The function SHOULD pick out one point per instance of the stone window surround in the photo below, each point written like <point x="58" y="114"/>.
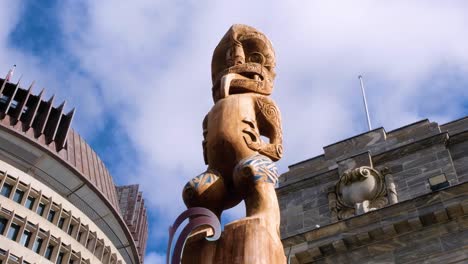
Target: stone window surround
<point x="8" y="257"/>
<point x="89" y="239"/>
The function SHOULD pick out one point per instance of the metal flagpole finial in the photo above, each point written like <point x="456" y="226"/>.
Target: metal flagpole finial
<point x="365" y="101"/>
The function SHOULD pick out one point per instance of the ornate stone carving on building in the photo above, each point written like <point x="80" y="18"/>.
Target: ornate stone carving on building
<point x="360" y="190"/>
<point x="240" y="164"/>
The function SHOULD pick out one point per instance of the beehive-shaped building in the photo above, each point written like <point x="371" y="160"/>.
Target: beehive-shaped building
<point x="58" y="202"/>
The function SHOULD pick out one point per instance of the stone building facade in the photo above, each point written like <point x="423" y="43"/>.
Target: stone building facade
<point x="381" y="197"/>
<point x="58" y="201"/>
<point x="133" y="210"/>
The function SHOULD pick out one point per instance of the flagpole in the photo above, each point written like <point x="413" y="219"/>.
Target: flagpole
<point x="10" y="73"/>
<point x="365" y="102"/>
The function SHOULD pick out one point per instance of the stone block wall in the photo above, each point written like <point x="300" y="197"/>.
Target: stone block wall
<point x="132" y="207"/>
<point x="410" y="156"/>
<point x="432" y="228"/>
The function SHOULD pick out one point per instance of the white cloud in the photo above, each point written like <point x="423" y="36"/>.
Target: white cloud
<point x="155" y="258"/>
<point x="154" y="58"/>
<point x="150" y="63"/>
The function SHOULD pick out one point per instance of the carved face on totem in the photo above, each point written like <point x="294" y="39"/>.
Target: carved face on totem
<point x="243" y="62"/>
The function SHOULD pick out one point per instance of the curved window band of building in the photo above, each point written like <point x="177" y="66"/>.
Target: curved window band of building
<point x="25" y="203"/>
<point x="58" y="201"/>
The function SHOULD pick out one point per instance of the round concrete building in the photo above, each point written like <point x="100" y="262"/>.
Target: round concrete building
<point x="58" y="202"/>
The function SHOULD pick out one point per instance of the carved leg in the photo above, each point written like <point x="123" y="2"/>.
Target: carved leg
<point x="206" y="190"/>
<point x="255" y="177"/>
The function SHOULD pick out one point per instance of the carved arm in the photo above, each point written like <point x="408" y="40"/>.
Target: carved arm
<point x="269" y="125"/>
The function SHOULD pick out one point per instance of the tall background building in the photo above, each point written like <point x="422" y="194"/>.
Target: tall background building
<point x="58" y="201"/>
<point x="381" y="197"/>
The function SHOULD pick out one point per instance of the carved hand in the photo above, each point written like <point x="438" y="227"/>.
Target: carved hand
<point x="254" y="145"/>
<point x="273" y="151"/>
<point x="254" y="141"/>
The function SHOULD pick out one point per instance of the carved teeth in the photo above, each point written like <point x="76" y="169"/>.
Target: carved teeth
<point x="225" y="84"/>
<point x="256" y="77"/>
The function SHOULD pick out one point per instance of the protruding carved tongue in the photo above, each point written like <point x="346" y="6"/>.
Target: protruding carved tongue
<point x="225" y="84"/>
<point x="241" y="84"/>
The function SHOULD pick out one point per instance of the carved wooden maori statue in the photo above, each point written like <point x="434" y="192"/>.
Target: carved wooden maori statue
<point x="240" y="164"/>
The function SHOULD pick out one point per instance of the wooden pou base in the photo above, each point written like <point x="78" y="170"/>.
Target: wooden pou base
<point x="245" y="241"/>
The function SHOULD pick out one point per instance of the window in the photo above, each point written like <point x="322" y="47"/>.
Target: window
<point x="438" y="182"/>
<point x="40" y="209"/>
<point x="30" y="202"/>
<point x="37" y="245"/>
<point x="25" y="238"/>
<point x="3" y="222"/>
<point x="61" y="222"/>
<point x="48" y="252"/>
<point x="18" y="197"/>
<point x="6" y="190"/>
<point x="60" y="257"/>
<point x="70" y="229"/>
<point x="4" y="99"/>
<point x="14" y="104"/>
<point x="13" y="232"/>
<point x="51" y="215"/>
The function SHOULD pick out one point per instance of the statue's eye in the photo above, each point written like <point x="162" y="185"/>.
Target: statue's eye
<point x="257" y="57"/>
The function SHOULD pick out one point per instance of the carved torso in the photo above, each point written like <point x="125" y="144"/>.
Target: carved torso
<point x="225" y="145"/>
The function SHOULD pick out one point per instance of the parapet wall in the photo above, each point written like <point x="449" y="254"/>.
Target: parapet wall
<point x="412" y="155"/>
<point x="419" y="213"/>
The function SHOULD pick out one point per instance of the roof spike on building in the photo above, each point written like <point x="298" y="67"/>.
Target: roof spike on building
<point x="19" y="80"/>
<point x="56" y="123"/>
<point x="51" y="99"/>
<point x="44" y="117"/>
<point x="3" y="86"/>
<point x="62" y="105"/>
<point x="61" y="138"/>
<point x="32" y="114"/>
<point x="31" y="85"/>
<point x="12" y="97"/>
<point x="22" y="102"/>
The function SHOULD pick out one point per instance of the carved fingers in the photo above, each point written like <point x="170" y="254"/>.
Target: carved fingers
<point x="273" y="151"/>
<point x="254" y="141"/>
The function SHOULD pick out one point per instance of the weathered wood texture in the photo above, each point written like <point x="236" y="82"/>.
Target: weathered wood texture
<point x="245" y="241"/>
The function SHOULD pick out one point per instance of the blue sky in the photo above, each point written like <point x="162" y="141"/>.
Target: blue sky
<point x="139" y="75"/>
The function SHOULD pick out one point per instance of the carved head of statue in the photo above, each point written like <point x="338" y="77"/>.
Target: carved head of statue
<point x="243" y="62"/>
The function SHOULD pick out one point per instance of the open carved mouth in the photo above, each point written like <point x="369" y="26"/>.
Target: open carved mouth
<point x="241" y="83"/>
<point x="252" y="75"/>
<point x="236" y="83"/>
<point x="243" y="78"/>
